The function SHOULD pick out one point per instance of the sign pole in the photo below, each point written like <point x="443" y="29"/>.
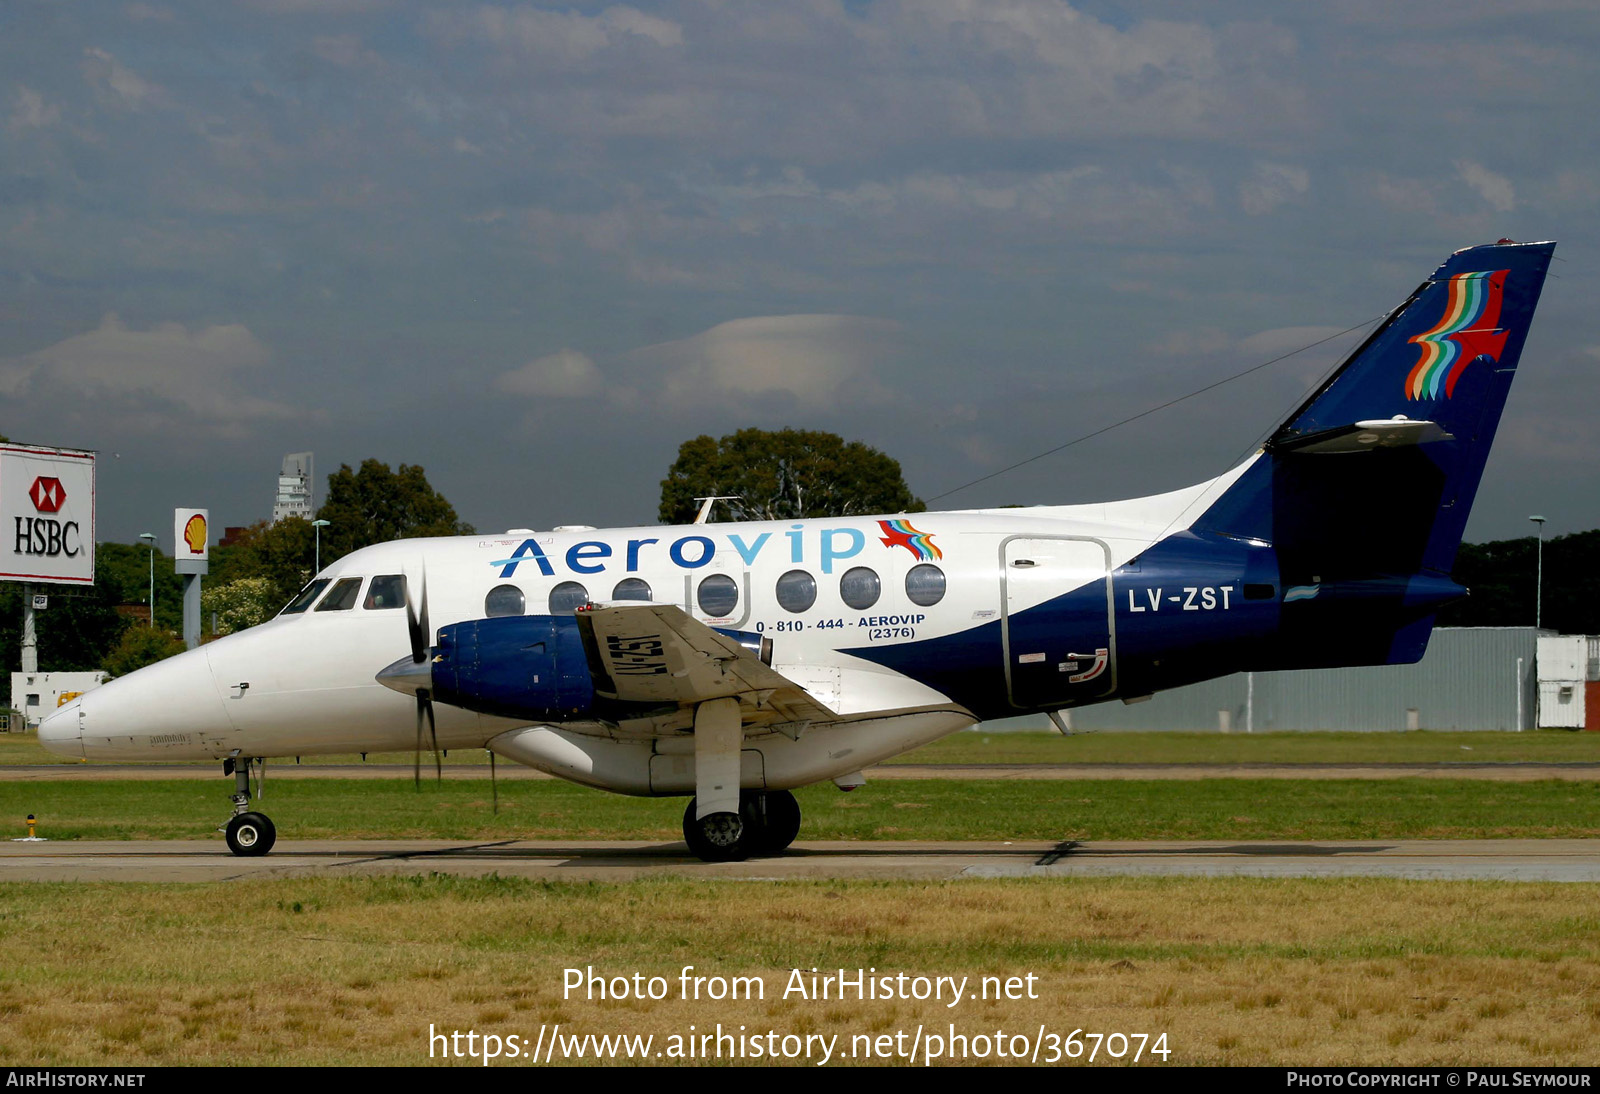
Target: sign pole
<point x="30" y="633"/>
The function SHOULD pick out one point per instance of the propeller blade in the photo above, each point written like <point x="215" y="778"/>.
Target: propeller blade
<point x="416" y="759"/>
<point x="433" y="734"/>
<point x="494" y="787"/>
<point x="417" y="618"/>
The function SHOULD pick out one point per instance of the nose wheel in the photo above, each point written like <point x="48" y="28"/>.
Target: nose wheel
<point x="766" y="823"/>
<point x="249" y="834"/>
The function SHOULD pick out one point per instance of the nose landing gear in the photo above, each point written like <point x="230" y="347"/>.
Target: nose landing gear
<point x="248" y="834"/>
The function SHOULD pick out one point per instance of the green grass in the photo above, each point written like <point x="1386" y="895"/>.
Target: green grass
<point x="1425" y="746"/>
<point x="1326" y="747"/>
<point x="1231" y="970"/>
<point x="931" y="809"/>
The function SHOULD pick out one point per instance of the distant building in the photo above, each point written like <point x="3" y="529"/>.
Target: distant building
<point x="35" y="694"/>
<point x="294" y="488"/>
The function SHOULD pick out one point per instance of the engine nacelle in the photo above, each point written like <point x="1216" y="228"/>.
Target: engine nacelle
<point x="522" y="666"/>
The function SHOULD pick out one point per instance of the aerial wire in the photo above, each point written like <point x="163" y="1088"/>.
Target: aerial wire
<point x="1152" y="410"/>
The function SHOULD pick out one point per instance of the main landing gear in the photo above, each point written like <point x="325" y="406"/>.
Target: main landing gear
<point x="248" y="834"/>
<point x="766" y="823"/>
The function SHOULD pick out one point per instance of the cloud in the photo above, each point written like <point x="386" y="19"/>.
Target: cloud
<point x="117" y="82"/>
<point x="813" y="361"/>
<point x="1270" y="343"/>
<point x="167" y="376"/>
<point x="560" y="37"/>
<point x="565" y="374"/>
<point x="1272" y="185"/>
<point x="1496" y="190"/>
<point x="32" y="111"/>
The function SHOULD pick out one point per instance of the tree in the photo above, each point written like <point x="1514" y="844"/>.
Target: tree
<point x="239" y="604"/>
<point x="1502" y="575"/>
<point x="75" y="631"/>
<point x="282" y="554"/>
<point x="784" y="475"/>
<point x="374" y="505"/>
<point x="141" y="646"/>
<point x="127" y="568"/>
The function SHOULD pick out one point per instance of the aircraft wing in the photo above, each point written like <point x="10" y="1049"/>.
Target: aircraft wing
<point x="658" y="653"/>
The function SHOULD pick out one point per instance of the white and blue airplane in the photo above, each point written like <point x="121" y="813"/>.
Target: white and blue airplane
<point x="734" y="662"/>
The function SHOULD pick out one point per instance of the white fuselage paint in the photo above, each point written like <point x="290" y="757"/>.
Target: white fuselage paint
<point x="311" y="687"/>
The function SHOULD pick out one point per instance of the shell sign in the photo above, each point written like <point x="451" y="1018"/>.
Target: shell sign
<point x="190" y="534"/>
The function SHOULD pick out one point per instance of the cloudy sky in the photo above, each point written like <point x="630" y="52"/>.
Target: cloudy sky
<point x="535" y="247"/>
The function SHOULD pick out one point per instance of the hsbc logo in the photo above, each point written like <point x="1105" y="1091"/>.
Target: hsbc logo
<point x="47" y="494"/>
<point x="46" y="535"/>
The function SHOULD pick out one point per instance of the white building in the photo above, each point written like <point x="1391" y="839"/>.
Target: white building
<point x="294" y="488"/>
<point x="35" y="694"/>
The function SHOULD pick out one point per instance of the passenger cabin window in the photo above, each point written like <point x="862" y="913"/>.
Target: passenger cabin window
<point x="386" y="591"/>
<point x="797" y="591"/>
<point x="567" y="597"/>
<point x="860" y="587"/>
<point x="925" y="585"/>
<point x="504" y="600"/>
<point x="342" y="597"/>
<point x="305" y="596"/>
<point x="631" y="588"/>
<point x="717" y="596"/>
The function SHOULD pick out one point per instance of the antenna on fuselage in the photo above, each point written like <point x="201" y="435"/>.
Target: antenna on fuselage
<point x="706" y="504"/>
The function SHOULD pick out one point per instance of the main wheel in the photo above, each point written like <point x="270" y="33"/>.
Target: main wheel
<point x="780" y="822"/>
<point x="250" y="834"/>
<point x="718" y="837"/>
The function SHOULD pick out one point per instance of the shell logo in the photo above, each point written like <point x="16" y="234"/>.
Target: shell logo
<point x="194" y="534"/>
<point x="47" y="494"/>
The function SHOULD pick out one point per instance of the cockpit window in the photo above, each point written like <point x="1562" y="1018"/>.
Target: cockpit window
<point x="304" y="597"/>
<point x="386" y="591"/>
<point x="342" y="597"/>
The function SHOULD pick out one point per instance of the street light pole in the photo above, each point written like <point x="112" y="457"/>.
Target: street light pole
<point x="319" y="525"/>
<point x="1538" y="579"/>
<point x="150" y="538"/>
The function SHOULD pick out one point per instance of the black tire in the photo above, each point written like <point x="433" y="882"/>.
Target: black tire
<point x="720" y="837"/>
<point x="250" y="835"/>
<point x="780" y="822"/>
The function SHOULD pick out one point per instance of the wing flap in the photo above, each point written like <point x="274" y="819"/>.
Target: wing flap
<point x="658" y="653"/>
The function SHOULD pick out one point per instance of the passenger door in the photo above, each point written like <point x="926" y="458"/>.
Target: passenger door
<point x="1057" y="629"/>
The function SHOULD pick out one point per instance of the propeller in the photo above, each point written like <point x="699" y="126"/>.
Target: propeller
<point x="421" y="639"/>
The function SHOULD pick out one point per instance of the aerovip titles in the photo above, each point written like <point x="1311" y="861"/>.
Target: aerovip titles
<point x="46" y="515"/>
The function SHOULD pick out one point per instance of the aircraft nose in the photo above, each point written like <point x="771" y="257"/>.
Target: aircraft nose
<point x="166" y="706"/>
<point x="60" y="731"/>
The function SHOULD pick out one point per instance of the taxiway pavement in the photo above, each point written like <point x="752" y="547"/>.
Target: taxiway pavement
<point x="1570" y="860"/>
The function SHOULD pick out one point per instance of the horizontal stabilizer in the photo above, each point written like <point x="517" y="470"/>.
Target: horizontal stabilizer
<point x="1362" y="437"/>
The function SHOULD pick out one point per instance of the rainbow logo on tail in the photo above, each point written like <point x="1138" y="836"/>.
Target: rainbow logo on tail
<point x="899" y="533"/>
<point x="1469" y="329"/>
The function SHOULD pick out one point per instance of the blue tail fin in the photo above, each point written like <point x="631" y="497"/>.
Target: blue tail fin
<point x="1367" y="486"/>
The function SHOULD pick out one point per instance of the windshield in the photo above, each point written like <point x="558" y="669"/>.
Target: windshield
<point x="304" y="597"/>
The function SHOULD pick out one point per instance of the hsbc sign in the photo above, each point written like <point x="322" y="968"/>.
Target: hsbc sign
<point x="46" y="515"/>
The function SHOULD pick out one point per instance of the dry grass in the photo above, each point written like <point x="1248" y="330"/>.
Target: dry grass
<point x="1233" y="970"/>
